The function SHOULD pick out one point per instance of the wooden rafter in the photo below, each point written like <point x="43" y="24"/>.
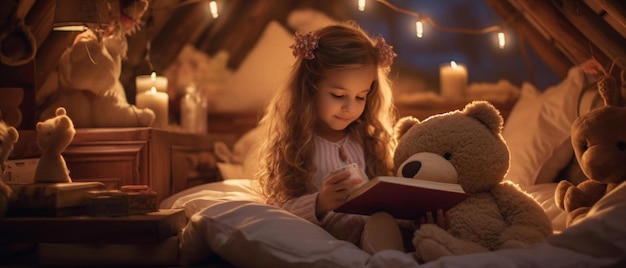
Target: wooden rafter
<point x="567" y="37"/>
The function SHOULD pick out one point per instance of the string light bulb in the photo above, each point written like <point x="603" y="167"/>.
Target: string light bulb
<point x="421" y="19"/>
<point x="361" y="5"/>
<point x="213" y="6"/>
<point x="419" y="29"/>
<point x="501" y="40"/>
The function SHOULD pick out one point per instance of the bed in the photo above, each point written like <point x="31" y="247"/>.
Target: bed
<point x="229" y="224"/>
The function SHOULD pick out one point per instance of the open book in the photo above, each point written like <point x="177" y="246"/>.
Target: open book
<point x="403" y="198"/>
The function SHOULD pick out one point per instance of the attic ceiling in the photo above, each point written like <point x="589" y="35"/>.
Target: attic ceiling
<point x="562" y="33"/>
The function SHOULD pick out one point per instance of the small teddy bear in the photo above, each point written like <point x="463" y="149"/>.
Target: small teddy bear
<point x="53" y="136"/>
<point x="466" y="147"/>
<point x="8" y="137"/>
<point x="599" y="141"/>
<point x="86" y="82"/>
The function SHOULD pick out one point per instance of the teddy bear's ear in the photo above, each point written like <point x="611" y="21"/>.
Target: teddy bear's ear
<point x="610" y="91"/>
<point x="13" y="134"/>
<point x="60" y="111"/>
<point x="487" y="114"/>
<point x="403" y="125"/>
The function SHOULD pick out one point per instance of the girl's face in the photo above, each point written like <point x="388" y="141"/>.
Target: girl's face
<point x="341" y="98"/>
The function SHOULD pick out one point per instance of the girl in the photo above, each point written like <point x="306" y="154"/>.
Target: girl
<point x="336" y="109"/>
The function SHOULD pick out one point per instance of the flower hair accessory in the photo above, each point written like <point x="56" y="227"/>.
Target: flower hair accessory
<point x="305" y="45"/>
<point x="385" y="52"/>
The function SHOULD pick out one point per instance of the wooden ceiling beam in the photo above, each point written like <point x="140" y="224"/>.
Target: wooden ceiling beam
<point x="554" y="58"/>
<point x="615" y="9"/>
<point x="600" y="33"/>
<point x="241" y="26"/>
<point x="565" y="35"/>
<point x="184" y="26"/>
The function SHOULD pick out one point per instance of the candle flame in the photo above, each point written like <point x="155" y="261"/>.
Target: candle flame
<point x="153" y="90"/>
<point x="361" y="5"/>
<point x="153" y="76"/>
<point x="454" y="65"/>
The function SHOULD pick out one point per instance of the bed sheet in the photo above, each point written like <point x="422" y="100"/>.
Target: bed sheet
<point x="228" y="218"/>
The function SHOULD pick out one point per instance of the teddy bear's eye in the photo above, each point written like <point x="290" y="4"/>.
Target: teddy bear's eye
<point x="447" y="156"/>
<point x="584" y="146"/>
<point x="621" y="145"/>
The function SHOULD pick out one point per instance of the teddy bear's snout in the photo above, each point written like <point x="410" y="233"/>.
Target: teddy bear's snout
<point x="410" y="169"/>
<point x="428" y="166"/>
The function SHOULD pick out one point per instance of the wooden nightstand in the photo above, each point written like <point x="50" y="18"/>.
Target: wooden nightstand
<point x="145" y="156"/>
<point x="149" y="239"/>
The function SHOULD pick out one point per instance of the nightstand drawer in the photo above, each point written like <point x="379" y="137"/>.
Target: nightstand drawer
<point x="134" y="229"/>
<point x="164" y="253"/>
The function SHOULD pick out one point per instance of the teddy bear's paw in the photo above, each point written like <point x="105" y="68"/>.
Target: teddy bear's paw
<point x="429" y="231"/>
<point x="145" y="117"/>
<point x="429" y="250"/>
<point x="559" y="193"/>
<point x="574" y="199"/>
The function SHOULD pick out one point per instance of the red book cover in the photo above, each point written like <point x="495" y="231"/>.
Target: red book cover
<point x="403" y="198"/>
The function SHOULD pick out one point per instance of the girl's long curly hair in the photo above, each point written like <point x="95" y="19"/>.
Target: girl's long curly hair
<point x="286" y="156"/>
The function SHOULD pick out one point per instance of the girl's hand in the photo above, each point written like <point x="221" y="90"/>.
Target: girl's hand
<point x="442" y="220"/>
<point x="334" y="191"/>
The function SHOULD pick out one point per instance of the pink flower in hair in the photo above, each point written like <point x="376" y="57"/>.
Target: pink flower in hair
<point x="305" y="45"/>
<point x="385" y="53"/>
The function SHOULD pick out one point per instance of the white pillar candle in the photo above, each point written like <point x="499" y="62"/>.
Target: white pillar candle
<point x="145" y="82"/>
<point x="453" y="78"/>
<point x="151" y="93"/>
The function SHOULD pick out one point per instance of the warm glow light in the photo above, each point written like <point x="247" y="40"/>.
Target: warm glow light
<point x="361" y="5"/>
<point x="79" y="28"/>
<point x="153" y="76"/>
<point x="153" y="90"/>
<point x="453" y="64"/>
<point x="213" y="6"/>
<point x="501" y="40"/>
<point x="419" y="29"/>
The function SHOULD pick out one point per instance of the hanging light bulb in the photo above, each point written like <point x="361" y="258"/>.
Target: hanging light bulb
<point x="419" y="29"/>
<point x="501" y="40"/>
<point x="213" y="6"/>
<point x="361" y="5"/>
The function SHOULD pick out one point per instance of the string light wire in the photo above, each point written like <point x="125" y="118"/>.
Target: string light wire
<point x="421" y="19"/>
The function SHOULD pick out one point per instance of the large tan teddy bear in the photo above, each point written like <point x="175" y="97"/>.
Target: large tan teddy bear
<point x="53" y="136"/>
<point x="8" y="137"/>
<point x="86" y="80"/>
<point x="466" y="147"/>
<point x="599" y="141"/>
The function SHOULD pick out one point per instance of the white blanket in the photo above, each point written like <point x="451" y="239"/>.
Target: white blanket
<point x="228" y="219"/>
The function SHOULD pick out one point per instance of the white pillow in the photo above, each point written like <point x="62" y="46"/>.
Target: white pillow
<point x="252" y="234"/>
<point x="537" y="130"/>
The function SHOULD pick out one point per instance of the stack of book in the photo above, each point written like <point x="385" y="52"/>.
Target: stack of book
<point x="51" y="199"/>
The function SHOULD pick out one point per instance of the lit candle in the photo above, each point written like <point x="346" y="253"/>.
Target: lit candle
<point x="453" y="80"/>
<point x="145" y="82"/>
<point x="151" y="94"/>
